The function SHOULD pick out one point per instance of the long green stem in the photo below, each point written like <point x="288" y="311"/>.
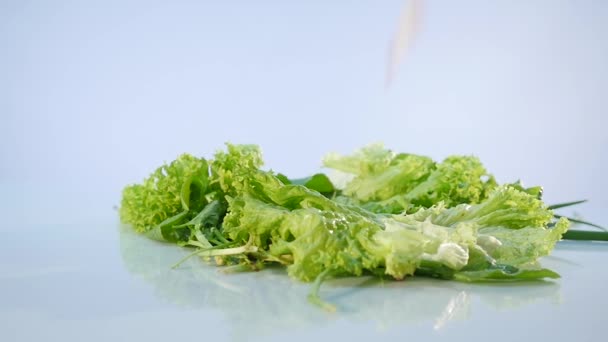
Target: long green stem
<point x="586" y="235"/>
<point x="565" y="204"/>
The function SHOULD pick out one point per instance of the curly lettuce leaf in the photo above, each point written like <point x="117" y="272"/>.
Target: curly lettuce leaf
<point x="522" y="246"/>
<point x="404" y="173"/>
<point x="301" y="227"/>
<point x="371" y="159"/>
<point x="456" y="180"/>
<point x="168" y="192"/>
<point x="380" y="173"/>
<point x="230" y="169"/>
<point x="505" y="207"/>
<point x="386" y="182"/>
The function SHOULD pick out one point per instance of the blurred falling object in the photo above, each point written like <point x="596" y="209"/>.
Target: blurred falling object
<point x="407" y="26"/>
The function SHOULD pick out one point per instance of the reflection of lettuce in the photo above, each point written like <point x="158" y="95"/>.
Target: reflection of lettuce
<point x="454" y="221"/>
<point x="267" y="301"/>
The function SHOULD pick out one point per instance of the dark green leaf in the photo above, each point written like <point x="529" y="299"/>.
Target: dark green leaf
<point x="210" y="216"/>
<point x="318" y="182"/>
<point x="283" y="178"/>
<point x="169" y="229"/>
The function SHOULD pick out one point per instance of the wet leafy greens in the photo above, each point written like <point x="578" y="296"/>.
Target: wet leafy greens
<point x="400" y="215"/>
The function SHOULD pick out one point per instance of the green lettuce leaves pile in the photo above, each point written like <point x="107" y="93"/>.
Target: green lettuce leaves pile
<point x="400" y="215"/>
